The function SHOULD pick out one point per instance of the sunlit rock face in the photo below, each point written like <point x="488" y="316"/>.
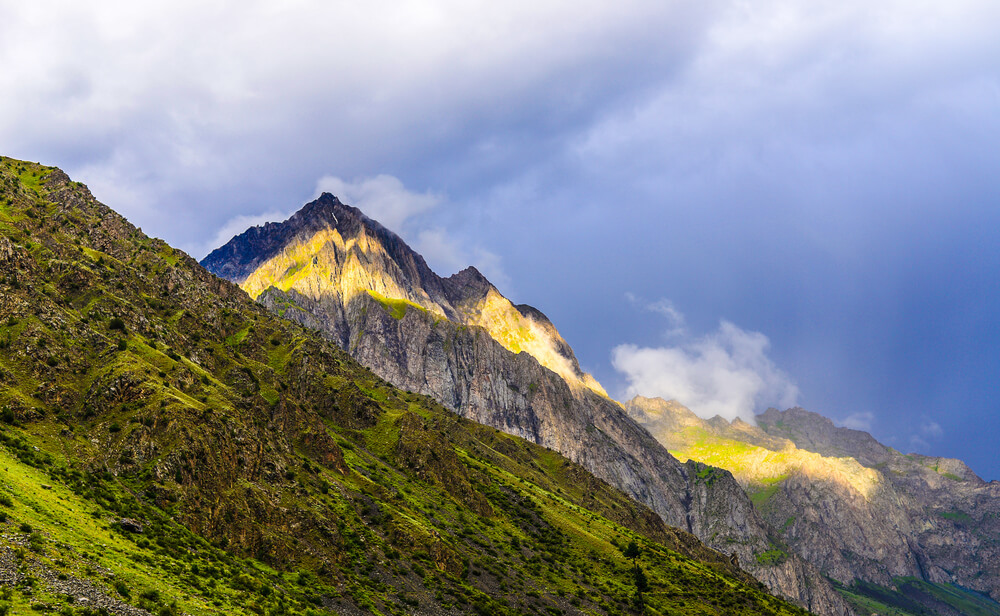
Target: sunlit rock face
<point x="843" y="501"/>
<point x="460" y="341"/>
<point x="331" y="251"/>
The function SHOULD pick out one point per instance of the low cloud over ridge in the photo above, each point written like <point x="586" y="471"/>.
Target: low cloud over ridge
<point x="724" y="373"/>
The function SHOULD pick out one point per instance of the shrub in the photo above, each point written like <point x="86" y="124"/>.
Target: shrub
<point x="116" y="324"/>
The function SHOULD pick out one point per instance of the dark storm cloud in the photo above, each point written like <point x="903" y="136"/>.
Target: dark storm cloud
<point x="822" y="173"/>
<point x="170" y="106"/>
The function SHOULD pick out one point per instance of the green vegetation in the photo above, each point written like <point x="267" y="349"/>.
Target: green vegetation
<point x="395" y="307"/>
<point x="957" y="516"/>
<point x="225" y="461"/>
<point x="911" y="596"/>
<point x="760" y="497"/>
<point x="773" y="556"/>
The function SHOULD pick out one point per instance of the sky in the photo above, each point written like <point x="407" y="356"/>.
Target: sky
<point x="735" y="204"/>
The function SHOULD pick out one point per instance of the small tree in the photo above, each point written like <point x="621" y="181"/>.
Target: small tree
<point x="633" y="551"/>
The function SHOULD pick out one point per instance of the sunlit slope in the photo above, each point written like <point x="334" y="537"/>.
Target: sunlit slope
<point x="860" y="511"/>
<point x="459" y="341"/>
<point x="355" y="256"/>
<point x="757" y="461"/>
<point x="267" y="471"/>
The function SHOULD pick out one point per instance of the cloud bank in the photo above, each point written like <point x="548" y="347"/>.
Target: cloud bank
<point x="827" y="169"/>
<point x="724" y="373"/>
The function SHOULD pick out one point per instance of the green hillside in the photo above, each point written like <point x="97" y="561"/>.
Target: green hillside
<point x="167" y="444"/>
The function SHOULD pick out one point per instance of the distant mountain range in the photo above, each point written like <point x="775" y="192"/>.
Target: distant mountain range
<point x="860" y="511"/>
<point x="823" y="515"/>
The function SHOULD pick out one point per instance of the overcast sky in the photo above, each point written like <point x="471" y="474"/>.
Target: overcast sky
<point x="736" y="204"/>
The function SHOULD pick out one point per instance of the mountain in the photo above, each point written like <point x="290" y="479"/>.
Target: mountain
<point x="169" y="446"/>
<point x="864" y="513"/>
<point x="459" y="341"/>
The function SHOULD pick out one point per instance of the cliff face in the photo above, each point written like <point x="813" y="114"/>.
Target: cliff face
<point x="953" y="533"/>
<point x="458" y="340"/>
<point x="853" y="507"/>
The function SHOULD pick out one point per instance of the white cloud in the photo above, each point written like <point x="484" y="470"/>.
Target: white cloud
<point x="931" y="429"/>
<point x="860" y="421"/>
<point x="918" y="443"/>
<point x="726" y="373"/>
<point x="665" y="308"/>
<point x="204" y="97"/>
<point x="447" y="255"/>
<point x="382" y="198"/>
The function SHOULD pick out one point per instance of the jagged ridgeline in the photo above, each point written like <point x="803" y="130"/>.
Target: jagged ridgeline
<point x="461" y="342"/>
<point x="902" y="534"/>
<point x="168" y="446"/>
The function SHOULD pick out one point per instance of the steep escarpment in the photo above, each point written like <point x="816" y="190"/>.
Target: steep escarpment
<point x="860" y="511"/>
<point x="461" y="342"/>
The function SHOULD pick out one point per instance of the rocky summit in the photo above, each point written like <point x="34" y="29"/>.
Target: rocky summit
<point x="925" y="529"/>
<point x="168" y="446"/>
<point x="461" y="342"/>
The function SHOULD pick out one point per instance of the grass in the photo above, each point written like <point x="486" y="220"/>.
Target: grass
<point x="79" y="538"/>
<point x="761" y="497"/>
<point x="271" y="473"/>
<point x="957" y="516"/>
<point x="395" y="307"/>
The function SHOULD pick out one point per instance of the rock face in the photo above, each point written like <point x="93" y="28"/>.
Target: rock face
<point x="841" y="500"/>
<point x="460" y="341"/>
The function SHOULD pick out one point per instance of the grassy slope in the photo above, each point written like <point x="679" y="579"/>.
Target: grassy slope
<point x="270" y="472"/>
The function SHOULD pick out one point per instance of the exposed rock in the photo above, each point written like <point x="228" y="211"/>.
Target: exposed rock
<point x="853" y="507"/>
<point x="460" y="341"/>
<point x="130" y="525"/>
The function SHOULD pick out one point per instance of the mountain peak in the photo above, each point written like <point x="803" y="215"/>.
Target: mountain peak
<point x="326" y="202"/>
<point x="244" y="253"/>
<point x="468" y="284"/>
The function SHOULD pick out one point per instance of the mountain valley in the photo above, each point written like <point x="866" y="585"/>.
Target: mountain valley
<point x="334" y="428"/>
<point x="794" y="515"/>
<point x="169" y="446"/>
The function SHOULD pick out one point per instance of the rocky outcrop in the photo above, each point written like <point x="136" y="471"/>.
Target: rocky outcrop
<point x="844" y="502"/>
<point x="947" y="516"/>
<point x="460" y="341"/>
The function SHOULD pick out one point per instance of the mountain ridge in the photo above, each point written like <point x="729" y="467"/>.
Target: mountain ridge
<point x="505" y="366"/>
<point x="862" y="511"/>
<point x="169" y="446"/>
